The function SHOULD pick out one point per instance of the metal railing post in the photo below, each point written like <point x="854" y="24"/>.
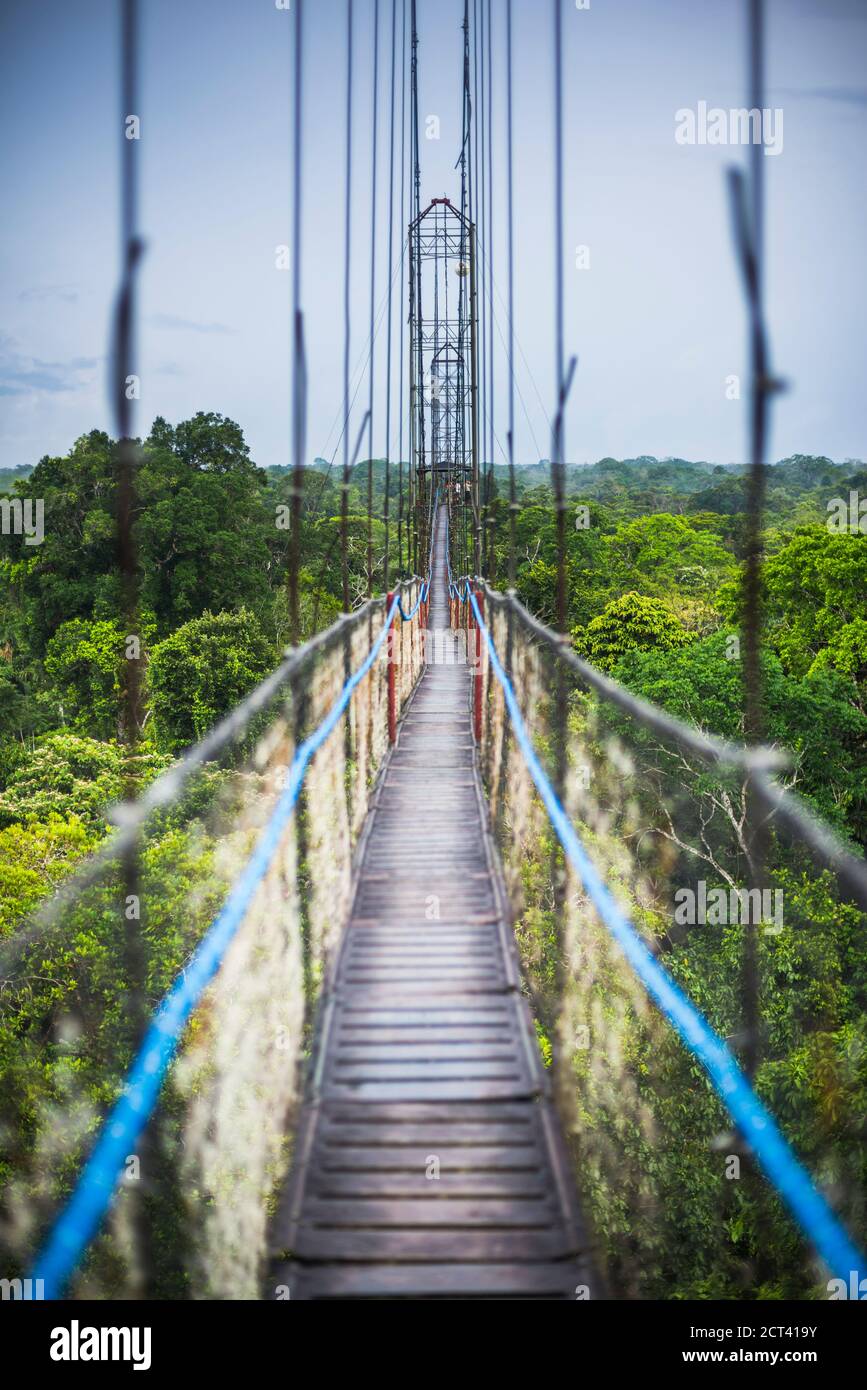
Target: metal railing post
<point x="392" y="662"/>
<point x="477" y="677"/>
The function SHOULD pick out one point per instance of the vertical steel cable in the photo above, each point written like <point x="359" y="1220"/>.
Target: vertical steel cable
<point x="403" y="221"/>
<point x="754" y="712"/>
<point x="759" y="371"/>
<point x="435" y="439"/>
<point x="122" y="364"/>
<point x="561" y="692"/>
<point x="511" y="277"/>
<point x="419" y="366"/>
<point x="466" y="251"/>
<point x="299" y="368"/>
<point x="490" y="226"/>
<point x="347" y="317"/>
<point x="478" y="135"/>
<point x="372" y="299"/>
<point x="483" y="269"/>
<point x="390" y="286"/>
<point x="748" y="217"/>
<point x="131" y="249"/>
<point x="557" y="462"/>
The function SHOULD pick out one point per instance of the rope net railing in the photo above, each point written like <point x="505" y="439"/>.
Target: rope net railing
<point x="181" y="1129"/>
<point x="677" y="913"/>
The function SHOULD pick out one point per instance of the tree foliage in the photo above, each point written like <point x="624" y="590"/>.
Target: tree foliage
<point x="630" y="623"/>
<point x="201" y="671"/>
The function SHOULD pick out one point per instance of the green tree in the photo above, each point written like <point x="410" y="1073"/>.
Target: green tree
<point x="201" y="671"/>
<point x="67" y="775"/>
<point x="812" y="718"/>
<point x="35" y="859"/>
<point x="83" y="661"/>
<point x="815" y="584"/>
<point x="204" y="529"/>
<point x="630" y="623"/>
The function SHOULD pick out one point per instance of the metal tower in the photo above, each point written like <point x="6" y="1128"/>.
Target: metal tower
<point x="444" y="426"/>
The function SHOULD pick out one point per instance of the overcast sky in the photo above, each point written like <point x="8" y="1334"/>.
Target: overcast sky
<point x="657" y="319"/>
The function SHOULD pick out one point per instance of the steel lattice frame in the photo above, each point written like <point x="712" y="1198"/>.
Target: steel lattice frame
<point x="444" y="369"/>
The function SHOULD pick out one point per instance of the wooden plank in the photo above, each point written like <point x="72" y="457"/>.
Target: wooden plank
<point x="443" y="1135"/>
<point x="314" y="1243"/>
<point x="408" y="1159"/>
<point x="419" y="1185"/>
<point x="415" y="1087"/>
<point x="523" y="1117"/>
<point x="533" y="1213"/>
<point x="433" y="1037"/>
<point x="425" y="1069"/>
<point x="455" y="1053"/>
<point x="417" y="1281"/>
<point x="489" y="1013"/>
<point x="429" y="1052"/>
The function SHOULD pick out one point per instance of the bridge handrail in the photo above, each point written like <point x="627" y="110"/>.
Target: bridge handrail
<point x="80" y="1218"/>
<point x="129" y="817"/>
<point x="422" y="598"/>
<point x="759" y="762"/>
<point x="806" y="1204"/>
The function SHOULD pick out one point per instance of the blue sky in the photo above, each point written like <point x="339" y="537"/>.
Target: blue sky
<point x="657" y="320"/>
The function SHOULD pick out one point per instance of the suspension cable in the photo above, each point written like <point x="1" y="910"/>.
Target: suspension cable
<point x="403" y="220"/>
<point x="372" y="299"/>
<point x="390" y="283"/>
<point x="513" y="506"/>
<point x="347" y="317"/>
<point x="299" y="368"/>
<point x="558" y="443"/>
<point x="490" y="332"/>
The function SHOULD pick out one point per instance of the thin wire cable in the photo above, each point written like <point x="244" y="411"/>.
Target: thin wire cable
<point x="748" y="209"/>
<point x="521" y="400"/>
<point x="510" y="219"/>
<point x="403" y="221"/>
<point x="374" y="146"/>
<point x="390" y="254"/>
<point x="482" y="238"/>
<point x="299" y="370"/>
<point x="558" y="440"/>
<point x="134" y="940"/>
<point x="420" y="461"/>
<point x="347" y="318"/>
<point x="359" y="372"/>
<point x="490" y="331"/>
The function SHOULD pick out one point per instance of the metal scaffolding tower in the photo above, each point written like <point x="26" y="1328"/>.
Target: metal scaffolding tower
<point x="444" y="426"/>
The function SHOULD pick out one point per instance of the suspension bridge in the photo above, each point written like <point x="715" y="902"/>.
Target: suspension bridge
<point x="430" y="1162"/>
<point x="342" y="1093"/>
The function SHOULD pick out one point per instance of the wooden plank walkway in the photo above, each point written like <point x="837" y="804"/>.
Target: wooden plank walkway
<point x="428" y="1160"/>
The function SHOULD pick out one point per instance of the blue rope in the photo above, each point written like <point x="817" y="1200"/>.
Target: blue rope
<point x="807" y="1205"/>
<point x="408" y="617"/>
<point x="79" y="1221"/>
<point x="425" y="588"/>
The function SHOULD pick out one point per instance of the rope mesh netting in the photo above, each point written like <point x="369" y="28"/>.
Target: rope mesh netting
<point x="196" y="1189"/>
<point x="675" y="1197"/>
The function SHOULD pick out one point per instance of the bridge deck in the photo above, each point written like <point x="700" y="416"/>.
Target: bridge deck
<point x="426" y="1061"/>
